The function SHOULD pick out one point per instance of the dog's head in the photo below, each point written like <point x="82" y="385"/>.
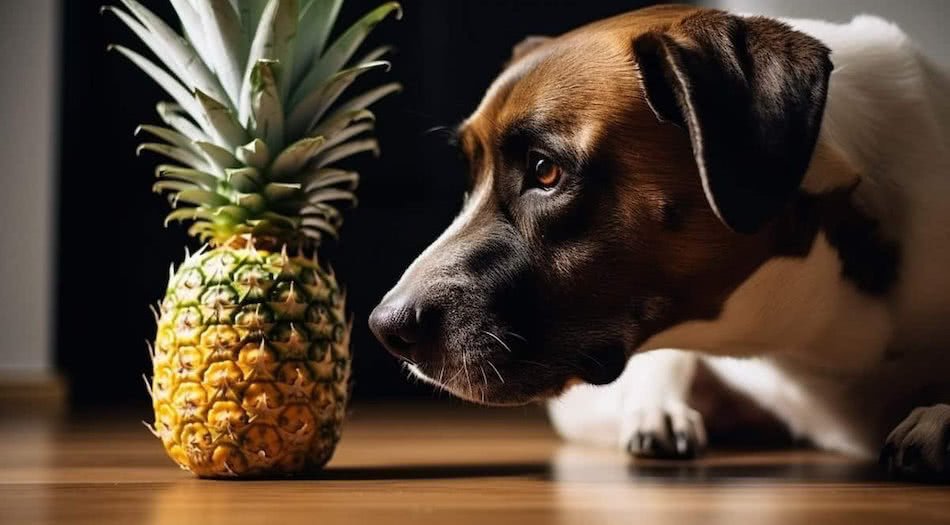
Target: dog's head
<point x="625" y="177"/>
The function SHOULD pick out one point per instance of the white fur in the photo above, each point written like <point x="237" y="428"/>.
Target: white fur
<point x="797" y="337"/>
<point x="441" y="248"/>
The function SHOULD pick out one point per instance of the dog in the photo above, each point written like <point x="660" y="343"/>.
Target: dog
<point x="680" y="192"/>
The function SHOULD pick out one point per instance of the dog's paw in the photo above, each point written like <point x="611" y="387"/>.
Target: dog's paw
<point x="669" y="431"/>
<point x="919" y="448"/>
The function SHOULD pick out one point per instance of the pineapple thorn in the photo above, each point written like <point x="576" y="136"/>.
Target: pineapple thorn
<point x="290" y="299"/>
<point x="151" y="349"/>
<point x="152" y="430"/>
<point x="154" y="312"/>
<point x="148" y="387"/>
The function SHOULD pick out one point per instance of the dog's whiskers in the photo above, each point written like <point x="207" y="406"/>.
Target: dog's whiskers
<point x="454" y="377"/>
<point x="496" y="338"/>
<point x="468" y="379"/>
<point x="535" y="363"/>
<point x="516" y="336"/>
<point x="493" y="367"/>
<point x="592" y="358"/>
<point x="441" y="372"/>
<point x="483" y="389"/>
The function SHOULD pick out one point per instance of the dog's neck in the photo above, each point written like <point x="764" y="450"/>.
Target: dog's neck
<point x="809" y="305"/>
<point x="807" y="309"/>
<point x="800" y="308"/>
<point x="801" y="305"/>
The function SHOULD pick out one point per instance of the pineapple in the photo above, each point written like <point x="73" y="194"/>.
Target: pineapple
<point x="251" y="360"/>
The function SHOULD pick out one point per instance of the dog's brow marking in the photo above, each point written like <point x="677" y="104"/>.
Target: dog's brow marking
<point x="507" y="78"/>
<point x="585" y="138"/>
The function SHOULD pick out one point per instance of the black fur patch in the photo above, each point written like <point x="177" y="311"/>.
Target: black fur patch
<point x="751" y="91"/>
<point x="868" y="259"/>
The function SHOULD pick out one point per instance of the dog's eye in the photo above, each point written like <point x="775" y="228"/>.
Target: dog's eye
<point x="544" y="170"/>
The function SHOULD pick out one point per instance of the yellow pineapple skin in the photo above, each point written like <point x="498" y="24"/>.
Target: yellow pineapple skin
<point x="251" y="364"/>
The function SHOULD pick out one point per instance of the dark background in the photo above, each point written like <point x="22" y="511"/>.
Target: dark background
<point x="113" y="252"/>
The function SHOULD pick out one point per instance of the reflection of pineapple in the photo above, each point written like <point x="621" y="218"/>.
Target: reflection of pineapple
<point x="251" y="361"/>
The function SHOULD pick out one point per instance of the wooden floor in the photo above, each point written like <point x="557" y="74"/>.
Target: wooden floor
<point x="425" y="465"/>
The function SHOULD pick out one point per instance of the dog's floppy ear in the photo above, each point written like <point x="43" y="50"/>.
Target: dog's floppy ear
<point x="529" y="44"/>
<point x="751" y="92"/>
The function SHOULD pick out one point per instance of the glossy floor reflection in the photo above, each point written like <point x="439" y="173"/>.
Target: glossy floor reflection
<point x="437" y="463"/>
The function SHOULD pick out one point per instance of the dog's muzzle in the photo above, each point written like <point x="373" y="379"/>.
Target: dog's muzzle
<point x="406" y="327"/>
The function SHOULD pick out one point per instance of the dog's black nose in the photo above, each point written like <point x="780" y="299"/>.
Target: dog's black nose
<point x="403" y="327"/>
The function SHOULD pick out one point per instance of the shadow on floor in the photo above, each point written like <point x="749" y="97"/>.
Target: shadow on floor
<point x="656" y="472"/>
<point x="458" y="471"/>
<point x="759" y="473"/>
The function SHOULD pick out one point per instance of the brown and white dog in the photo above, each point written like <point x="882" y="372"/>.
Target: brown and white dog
<point x="764" y="200"/>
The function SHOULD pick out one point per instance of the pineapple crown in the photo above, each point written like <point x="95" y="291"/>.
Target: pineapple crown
<point x="257" y="121"/>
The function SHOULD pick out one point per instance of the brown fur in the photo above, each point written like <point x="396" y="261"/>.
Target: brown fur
<point x="653" y="160"/>
<point x="549" y="285"/>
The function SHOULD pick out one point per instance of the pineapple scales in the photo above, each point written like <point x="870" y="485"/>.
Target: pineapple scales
<point x="251" y="359"/>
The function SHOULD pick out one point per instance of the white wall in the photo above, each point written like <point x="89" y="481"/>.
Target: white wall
<point x="926" y="21"/>
<point x="29" y="69"/>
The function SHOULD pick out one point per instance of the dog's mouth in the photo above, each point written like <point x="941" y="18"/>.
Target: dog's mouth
<point x="506" y="370"/>
<point x="482" y="383"/>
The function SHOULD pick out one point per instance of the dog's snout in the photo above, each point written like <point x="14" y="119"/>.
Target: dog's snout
<point x="404" y="326"/>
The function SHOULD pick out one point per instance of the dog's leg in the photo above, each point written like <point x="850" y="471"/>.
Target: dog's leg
<point x="656" y="420"/>
<point x="919" y="448"/>
<point x="644" y="411"/>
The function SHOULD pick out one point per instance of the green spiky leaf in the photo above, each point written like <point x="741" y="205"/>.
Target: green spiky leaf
<point x="266" y="109"/>
<point x="296" y="156"/>
<point x="260" y="115"/>
<point x="172" y="114"/>
<point x="305" y="115"/>
<point x="217" y="157"/>
<point x="179" y="154"/>
<point x="346" y="150"/>
<point x="338" y="54"/>
<point x="201" y="179"/>
<point x="221" y="122"/>
<point x="245" y="180"/>
<point x="273" y="43"/>
<point x="221" y="31"/>
<point x="316" y="20"/>
<point x="255" y="153"/>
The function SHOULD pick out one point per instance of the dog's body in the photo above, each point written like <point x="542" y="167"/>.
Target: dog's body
<point x="838" y="366"/>
<point x="680" y="178"/>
